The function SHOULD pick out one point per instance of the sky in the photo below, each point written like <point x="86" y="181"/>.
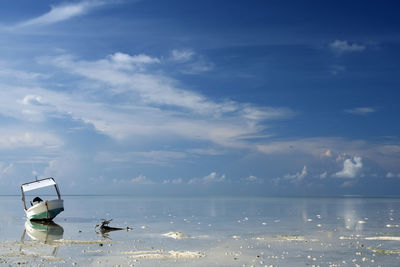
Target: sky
<point x="198" y="98"/>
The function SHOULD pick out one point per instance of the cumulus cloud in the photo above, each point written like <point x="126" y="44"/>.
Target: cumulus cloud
<point x="62" y="12"/>
<point x="298" y="177"/>
<point x="141" y="179"/>
<point x="32" y="100"/>
<point x="253" y="179"/>
<point x="360" y="110"/>
<point x="351" y="168"/>
<point x="344" y="46"/>
<point x="211" y="178"/>
<point x="385" y="153"/>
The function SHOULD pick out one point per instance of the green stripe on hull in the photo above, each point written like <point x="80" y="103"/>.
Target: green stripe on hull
<point x="46" y="215"/>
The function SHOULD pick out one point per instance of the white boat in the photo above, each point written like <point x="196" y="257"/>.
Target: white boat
<point x="42" y="210"/>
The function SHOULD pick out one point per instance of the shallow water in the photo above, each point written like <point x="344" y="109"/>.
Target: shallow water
<point x="206" y="232"/>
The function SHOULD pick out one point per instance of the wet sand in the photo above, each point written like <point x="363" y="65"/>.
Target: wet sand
<point x="268" y="250"/>
<point x="334" y="233"/>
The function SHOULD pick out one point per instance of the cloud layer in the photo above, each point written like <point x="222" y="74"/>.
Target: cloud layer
<point x="154" y="103"/>
<point x="62" y="12"/>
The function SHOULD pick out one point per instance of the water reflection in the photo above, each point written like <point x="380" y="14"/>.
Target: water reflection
<point x="45" y="232"/>
<point x="352" y="220"/>
<point x="104" y="229"/>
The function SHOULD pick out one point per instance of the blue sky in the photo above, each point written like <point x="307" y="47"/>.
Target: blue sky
<point x="201" y="97"/>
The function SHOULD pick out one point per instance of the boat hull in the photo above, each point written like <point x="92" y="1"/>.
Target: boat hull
<point x="45" y="211"/>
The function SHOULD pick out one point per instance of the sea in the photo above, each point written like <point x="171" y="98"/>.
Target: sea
<point x="206" y="231"/>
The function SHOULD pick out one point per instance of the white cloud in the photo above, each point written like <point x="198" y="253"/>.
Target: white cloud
<point x="69" y="167"/>
<point x="15" y="138"/>
<point x="206" y="151"/>
<point x="386" y="152"/>
<point x="253" y="179"/>
<point x="190" y="62"/>
<point x="173" y="181"/>
<point x="348" y="184"/>
<point x="32" y="100"/>
<point x="315" y="146"/>
<point x="361" y="110"/>
<point x="126" y="62"/>
<point x="214" y="178"/>
<point x="255" y="113"/>
<point x="159" y="157"/>
<point x="211" y="178"/>
<point x="62" y="12"/>
<point x="182" y="55"/>
<point x="298" y="177"/>
<point x="30" y="103"/>
<point x="351" y="168"/>
<point x="141" y="179"/>
<point x="198" y="66"/>
<point x="122" y="58"/>
<point x="154" y="157"/>
<point x="344" y="46"/>
<point x="6" y="168"/>
<point x="151" y="89"/>
<point x="125" y="120"/>
<point x="323" y="175"/>
<point x="392" y="175"/>
<point x="155" y="104"/>
<point x="9" y="73"/>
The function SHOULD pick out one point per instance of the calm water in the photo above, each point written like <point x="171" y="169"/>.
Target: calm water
<point x="206" y="232"/>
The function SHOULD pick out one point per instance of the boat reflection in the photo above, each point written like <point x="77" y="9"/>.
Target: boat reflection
<point x="45" y="232"/>
<point x="41" y="233"/>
